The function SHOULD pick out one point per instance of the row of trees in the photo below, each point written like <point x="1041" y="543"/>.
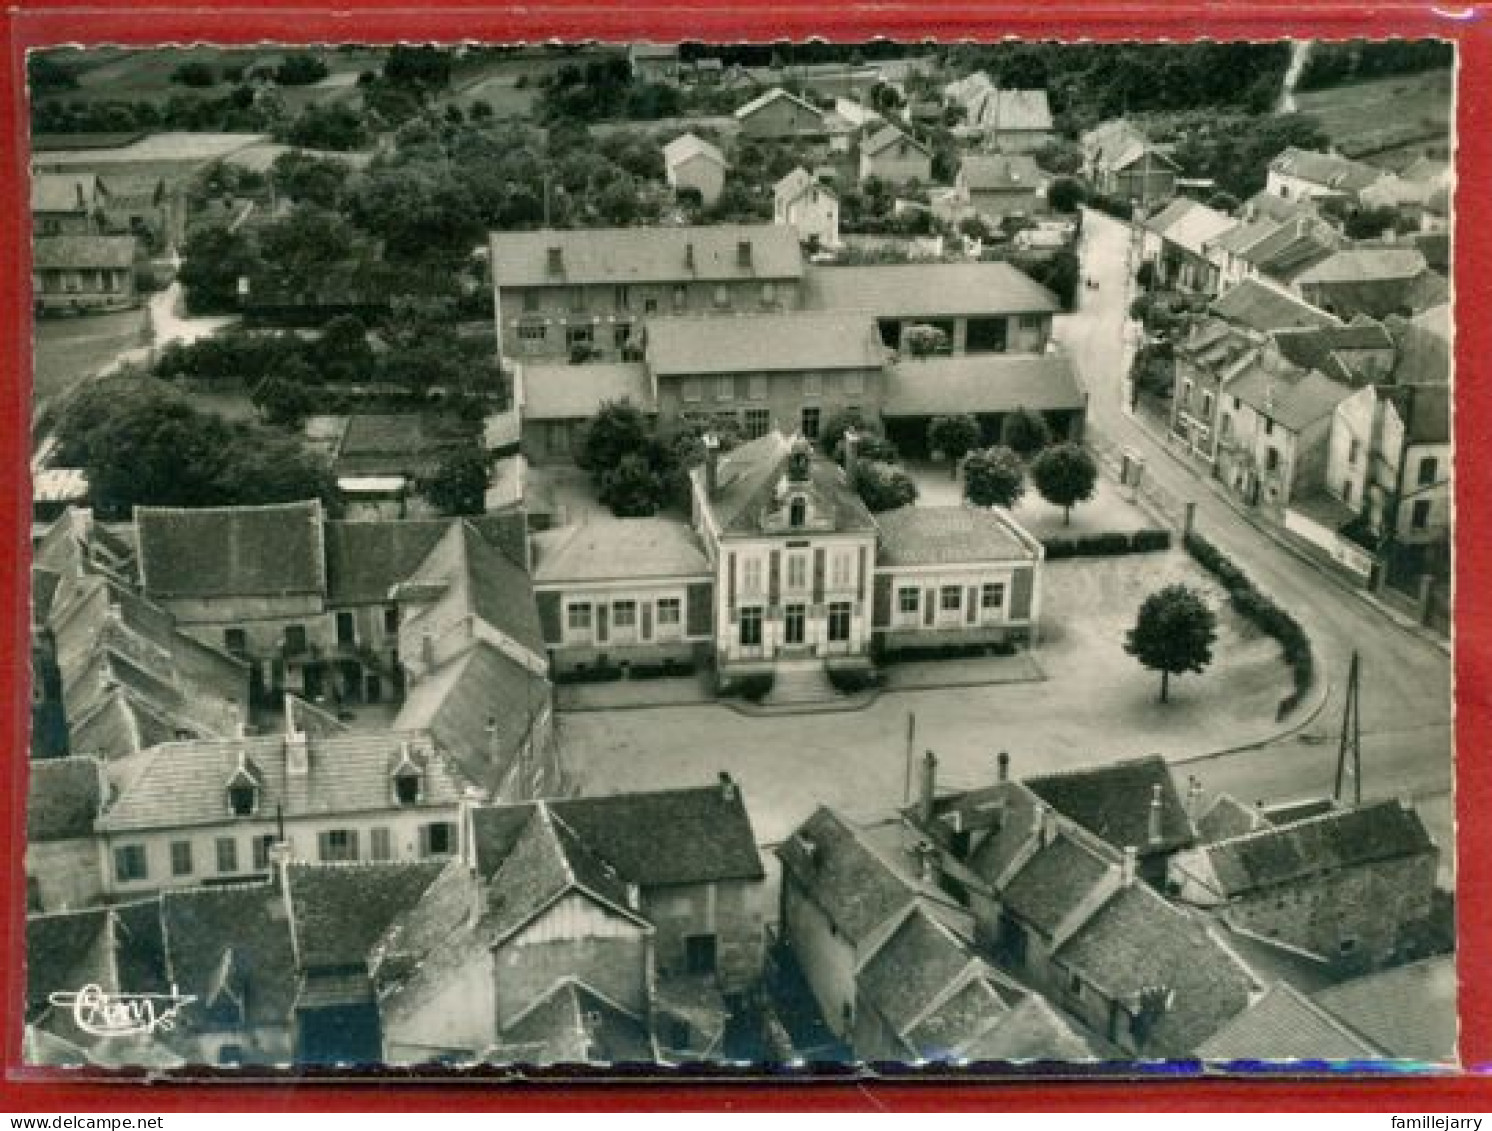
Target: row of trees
<point x="1332" y="64"/>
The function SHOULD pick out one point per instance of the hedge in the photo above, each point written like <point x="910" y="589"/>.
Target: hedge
<point x="947" y="652"/>
<point x="1104" y="545"/>
<point x="596" y="673"/>
<point x="848" y="681"/>
<point x="754" y="686"/>
<point x="666" y="669"/>
<point x="1254" y="606"/>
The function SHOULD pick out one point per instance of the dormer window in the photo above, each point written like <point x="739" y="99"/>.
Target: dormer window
<point x="407" y="788"/>
<point x="243" y="799"/>
<point x="797" y="511"/>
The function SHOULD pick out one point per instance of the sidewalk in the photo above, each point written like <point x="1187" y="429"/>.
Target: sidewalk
<point x="1291" y="544"/>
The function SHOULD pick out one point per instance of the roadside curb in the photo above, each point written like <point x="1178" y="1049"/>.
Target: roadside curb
<point x="1309" y="717"/>
<point x="1402" y="621"/>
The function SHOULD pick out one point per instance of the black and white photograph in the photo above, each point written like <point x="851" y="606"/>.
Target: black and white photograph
<point x="667" y="557"/>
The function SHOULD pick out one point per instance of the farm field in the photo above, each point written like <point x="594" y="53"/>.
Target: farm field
<point x="1390" y="121"/>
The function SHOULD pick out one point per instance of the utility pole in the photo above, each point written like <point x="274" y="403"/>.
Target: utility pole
<point x="1351" y="740"/>
<point x="906" y="795"/>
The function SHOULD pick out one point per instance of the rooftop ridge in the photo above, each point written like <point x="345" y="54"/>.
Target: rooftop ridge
<point x="1329" y="815"/>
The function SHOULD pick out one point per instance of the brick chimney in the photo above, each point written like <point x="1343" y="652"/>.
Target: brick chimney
<point x="297" y="754"/>
<point x="927" y="862"/>
<point x="556" y="261"/>
<point x="727" y="787"/>
<point x="1153" y="829"/>
<point x="1193" y="794"/>
<point x="743" y="254"/>
<point x="851" y="452"/>
<point x="927" y="787"/>
<point x="1002" y="767"/>
<point x="712" y="464"/>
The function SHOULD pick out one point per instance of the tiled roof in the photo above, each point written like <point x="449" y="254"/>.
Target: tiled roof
<point x="1321" y="348"/>
<point x="458" y="700"/>
<point x="1292" y="250"/>
<point x="1195" y="227"/>
<point x="183" y="784"/>
<point x="645" y="255"/>
<point x="947" y="535"/>
<point x="748" y="480"/>
<point x="574" y="1024"/>
<point x="480" y="581"/>
<point x="685" y="146"/>
<point x="1424" y="409"/>
<point x="607" y="548"/>
<point x="240" y="931"/>
<point x="364" y="560"/>
<point x="265" y="551"/>
<point x="65" y="951"/>
<point x="763" y="343"/>
<point x="1109" y="140"/>
<point x="1344" y="838"/>
<point x="916" y="963"/>
<point x="928" y="290"/>
<point x="1059" y="877"/>
<point x="341" y="910"/>
<point x="1113" y="802"/>
<point x="843" y="876"/>
<point x="1263" y="308"/>
<point x="1356" y="265"/>
<point x="64" y="192"/>
<point x="1408" y="1011"/>
<point x="1031" y="1030"/>
<point x="140" y="946"/>
<point x="1226" y="818"/>
<point x="982" y="383"/>
<point x="947" y="1029"/>
<point x="1270" y="206"/>
<point x="1138" y="941"/>
<point x="887" y="136"/>
<point x="763" y="100"/>
<point x="1000" y="172"/>
<point x="796" y="183"/>
<point x="1245" y="235"/>
<point x="50" y="253"/>
<point x="1285" y="1025"/>
<point x="1290" y="397"/>
<point x="577" y="392"/>
<point x="1326" y="170"/>
<point x="656" y="839"/>
<point x="1004" y="110"/>
<point x="63" y="798"/>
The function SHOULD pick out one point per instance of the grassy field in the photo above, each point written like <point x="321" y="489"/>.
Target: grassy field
<point x="68" y="350"/>
<point x="1386" y="117"/>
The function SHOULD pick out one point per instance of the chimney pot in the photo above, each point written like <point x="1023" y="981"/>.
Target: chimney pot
<point x="727" y="787"/>
<point x="851" y="451"/>
<point x="712" y="463"/>
<point x="927" y="858"/>
<point x="1153" y="832"/>
<point x="1131" y="864"/>
<point x="1002" y="761"/>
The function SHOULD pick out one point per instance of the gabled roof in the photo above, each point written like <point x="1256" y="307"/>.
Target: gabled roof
<point x="981" y="383"/>
<point x="577" y="392"/>
<point x="1244" y="235"/>
<point x="1326" y="169"/>
<point x="1000" y="110"/>
<point x="1031" y="1030"/>
<point x="51" y="253"/>
<point x="1138" y="943"/>
<point x="850" y="882"/>
<point x="457" y="702"/>
<point x="887" y="136"/>
<point x="364" y="560"/>
<point x="919" y="962"/>
<point x="232" y="941"/>
<point x="64" y="192"/>
<point x="1287" y="395"/>
<point x="1293" y="249"/>
<point x="1109" y="141"/>
<point x="1000" y="172"/>
<point x="1358" y="265"/>
<point x="1226" y="818"/>
<point x="1286" y="1025"/>
<point x="687" y="146"/>
<point x="1056" y="880"/>
<point x="948" y="535"/>
<point x="1191" y="226"/>
<point x="606" y="548"/>
<point x="762" y="101"/>
<point x="574" y="1024"/>
<point x="480" y="581"/>
<point x="1269" y="206"/>
<point x="748" y="479"/>
<point x="673" y="836"/>
<point x="340" y="911"/>
<point x="1114" y="802"/>
<point x="1408" y="1011"/>
<point x="1343" y="838"/>
<point x="928" y="290"/>
<point x="644" y="255"/>
<point x="184" y="784"/>
<point x="1322" y="348"/>
<point x="208" y="552"/>
<point x="64" y="797"/>
<point x="763" y="343"/>
<point x="65" y="951"/>
<point x="1263" y="308"/>
<point x="1424" y="409"/>
<point x="798" y="182"/>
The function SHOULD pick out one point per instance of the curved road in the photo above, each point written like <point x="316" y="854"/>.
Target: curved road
<point x="1406" y="680"/>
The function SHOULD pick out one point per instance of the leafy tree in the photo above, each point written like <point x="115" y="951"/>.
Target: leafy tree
<point x="1025" y="432"/>
<point x="954" y="436"/>
<point x="299" y="247"/>
<point x="213" y="261"/>
<point x="1065" y="476"/>
<point x="925" y="341"/>
<point x="480" y="110"/>
<point x="343" y="352"/>
<point x="632" y="489"/>
<point x="1174" y="633"/>
<point x="194" y="73"/>
<point x="1060" y="274"/>
<point x="1223" y="202"/>
<point x="301" y="68"/>
<point x="458" y="486"/>
<point x="994" y="477"/>
<point x="618" y="204"/>
<point x="1064" y="195"/>
<point x="883" y="486"/>
<point x="333" y="125"/>
<point x="618" y="429"/>
<point x="313" y="180"/>
<point x="682" y="451"/>
<point x="283" y="400"/>
<point x="424" y="67"/>
<point x="44" y="73"/>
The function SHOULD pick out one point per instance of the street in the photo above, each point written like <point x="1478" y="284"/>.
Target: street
<point x="1406" y="680"/>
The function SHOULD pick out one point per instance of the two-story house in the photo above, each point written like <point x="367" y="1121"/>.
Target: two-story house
<point x="67" y="204"/>
<point x="1120" y="161"/>
<point x="1008" y="121"/>
<point x="892" y="157"/>
<point x="692" y="165"/>
<point x="581" y="293"/>
<point x="77" y="274"/>
<point x="788" y="371"/>
<point x="1177" y="238"/>
<point x="64" y="797"/>
<point x="576" y="931"/>
<point x="807" y="206"/>
<point x="793" y="551"/>
<point x="997" y="185"/>
<point x="778" y="115"/>
<point x="1308" y="174"/>
<point x="1376" y="282"/>
<point x="630" y="590"/>
<point x="555" y="401"/>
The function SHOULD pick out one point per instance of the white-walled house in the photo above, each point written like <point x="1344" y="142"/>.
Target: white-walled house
<point x="693" y="164"/>
<point x="811" y="208"/>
